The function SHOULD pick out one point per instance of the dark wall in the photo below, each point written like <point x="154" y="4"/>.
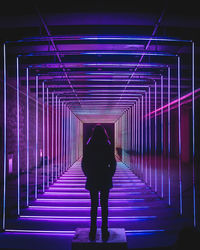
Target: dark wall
<point x="87" y="132"/>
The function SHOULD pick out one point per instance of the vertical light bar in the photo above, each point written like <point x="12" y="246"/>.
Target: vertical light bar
<point x="146" y="136"/>
<point x="169" y="135"/>
<point x="64" y="138"/>
<point x="150" y="137"/>
<point x="43" y="138"/>
<point x="47" y="137"/>
<point x="27" y="137"/>
<point x="179" y="134"/>
<point x="142" y="136"/>
<point x="36" y="137"/>
<point x="136" y="135"/>
<point x="67" y="140"/>
<point x="155" y="161"/>
<point x="18" y="160"/>
<point x="52" y="137"/>
<point x="193" y="135"/>
<point x="139" y="120"/>
<point x="162" y="192"/>
<point x="56" y="138"/>
<point x="4" y="137"/>
<point x="59" y="138"/>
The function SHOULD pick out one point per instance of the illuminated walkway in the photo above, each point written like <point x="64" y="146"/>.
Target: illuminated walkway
<point x="132" y="205"/>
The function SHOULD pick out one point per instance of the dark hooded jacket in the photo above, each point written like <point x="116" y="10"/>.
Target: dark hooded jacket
<point x="98" y="165"/>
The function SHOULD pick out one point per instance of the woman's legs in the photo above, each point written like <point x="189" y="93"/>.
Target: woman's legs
<point x="93" y="212"/>
<point x="104" y="207"/>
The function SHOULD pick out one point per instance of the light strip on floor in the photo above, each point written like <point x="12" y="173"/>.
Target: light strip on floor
<point x="51" y="217"/>
<point x="83" y="200"/>
<point x="84" y="208"/>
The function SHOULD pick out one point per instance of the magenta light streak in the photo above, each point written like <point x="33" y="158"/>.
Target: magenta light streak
<point x="175" y="101"/>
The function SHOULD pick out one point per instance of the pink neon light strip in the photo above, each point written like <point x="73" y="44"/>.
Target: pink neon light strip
<point x="174" y="102"/>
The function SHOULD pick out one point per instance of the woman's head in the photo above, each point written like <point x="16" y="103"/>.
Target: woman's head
<point x="99" y="134"/>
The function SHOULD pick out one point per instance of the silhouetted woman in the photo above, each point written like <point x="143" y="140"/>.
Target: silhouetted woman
<point x="99" y="165"/>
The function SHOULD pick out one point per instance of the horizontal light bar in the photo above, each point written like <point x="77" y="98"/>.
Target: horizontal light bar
<point x="72" y="232"/>
<point x="127" y="53"/>
<point x="85" y="208"/>
<point x="83" y="200"/>
<point x="85" y="194"/>
<point x="105" y="38"/>
<point x="45" y="217"/>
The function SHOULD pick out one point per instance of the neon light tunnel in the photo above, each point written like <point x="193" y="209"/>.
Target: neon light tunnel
<point x="145" y="97"/>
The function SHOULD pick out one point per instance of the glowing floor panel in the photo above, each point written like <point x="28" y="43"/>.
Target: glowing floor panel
<point x="66" y="205"/>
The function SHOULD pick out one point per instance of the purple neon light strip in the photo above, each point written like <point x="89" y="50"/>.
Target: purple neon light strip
<point x="36" y="142"/>
<point x="125" y="53"/>
<point x="43" y="138"/>
<point x="48" y="135"/>
<point x="18" y="146"/>
<point x="84" y="200"/>
<point x="193" y="134"/>
<point x="85" y="193"/>
<point x="5" y="136"/>
<point x="162" y="140"/>
<point x="169" y="141"/>
<point x="27" y="136"/>
<point x="84" y="208"/>
<point x="111" y="218"/>
<point x="71" y="232"/>
<point x="179" y="133"/>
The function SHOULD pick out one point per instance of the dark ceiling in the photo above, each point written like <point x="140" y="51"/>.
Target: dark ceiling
<point x="87" y="54"/>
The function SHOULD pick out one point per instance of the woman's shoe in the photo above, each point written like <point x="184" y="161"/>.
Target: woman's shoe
<point x="105" y="234"/>
<point x="92" y="234"/>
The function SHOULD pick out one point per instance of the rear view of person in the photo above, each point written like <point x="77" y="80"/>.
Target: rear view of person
<point x="99" y="165"/>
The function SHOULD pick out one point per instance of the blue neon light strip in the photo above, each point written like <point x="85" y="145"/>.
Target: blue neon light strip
<point x="125" y="53"/>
